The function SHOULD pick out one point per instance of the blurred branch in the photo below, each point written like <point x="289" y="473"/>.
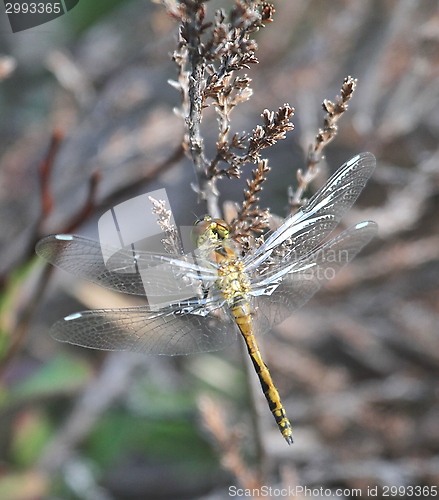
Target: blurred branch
<point x="23" y="323"/>
<point x="404" y="205"/>
<point x="70" y="76"/>
<point x="228" y="442"/>
<point x="88" y="207"/>
<point x="8" y="65"/>
<point x="397" y="257"/>
<point x="19" y="333"/>
<point x="45" y="171"/>
<point x="84" y="212"/>
<point x="371" y="89"/>
<point x="25" y="316"/>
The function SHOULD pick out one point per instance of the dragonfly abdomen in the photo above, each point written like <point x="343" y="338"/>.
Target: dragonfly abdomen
<point x="242" y="314"/>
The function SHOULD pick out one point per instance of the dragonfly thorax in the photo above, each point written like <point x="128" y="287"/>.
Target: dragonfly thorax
<point x="211" y="236"/>
<point x="232" y="281"/>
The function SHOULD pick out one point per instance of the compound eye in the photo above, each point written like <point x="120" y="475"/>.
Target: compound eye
<point x="201" y="226"/>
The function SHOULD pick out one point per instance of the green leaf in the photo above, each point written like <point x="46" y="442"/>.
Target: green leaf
<point x="150" y="400"/>
<point x="86" y="14"/>
<point x="23" y="486"/>
<point x="61" y="375"/>
<point x="120" y="433"/>
<point x="32" y="431"/>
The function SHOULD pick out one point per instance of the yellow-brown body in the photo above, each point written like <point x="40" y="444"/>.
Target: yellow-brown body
<point x="235" y="286"/>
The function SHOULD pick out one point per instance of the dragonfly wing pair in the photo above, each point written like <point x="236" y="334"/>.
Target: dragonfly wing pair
<point x="303" y="278"/>
<point x="303" y="231"/>
<point x="284" y="272"/>
<point x="174" y="330"/>
<point x="199" y="324"/>
<point x="83" y="257"/>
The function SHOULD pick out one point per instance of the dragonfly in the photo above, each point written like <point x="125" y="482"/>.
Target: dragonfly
<point x="230" y="294"/>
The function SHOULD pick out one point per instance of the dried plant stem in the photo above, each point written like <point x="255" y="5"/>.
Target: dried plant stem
<point x="209" y="55"/>
<point x="45" y="171"/>
<point x="334" y="111"/>
<point x="171" y="242"/>
<point x="22" y="327"/>
<point x="196" y="146"/>
<point x="89" y="205"/>
<point x="192" y="28"/>
<point x="251" y="218"/>
<point x="228" y="442"/>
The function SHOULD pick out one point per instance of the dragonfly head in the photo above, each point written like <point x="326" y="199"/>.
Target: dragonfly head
<point x="208" y="230"/>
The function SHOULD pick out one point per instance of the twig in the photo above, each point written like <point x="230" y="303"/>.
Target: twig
<point x="251" y="218"/>
<point x="45" y="170"/>
<point x="172" y="242"/>
<point x="400" y="256"/>
<point x="228" y="443"/>
<point x="26" y="315"/>
<point x="89" y="205"/>
<point x="334" y="112"/>
<point x="371" y="91"/>
<point x="190" y="36"/>
<point x="70" y="76"/>
<point x="213" y="52"/>
<point x="22" y="327"/>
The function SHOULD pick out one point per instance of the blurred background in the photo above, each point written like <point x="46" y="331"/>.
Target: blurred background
<point x="87" y="122"/>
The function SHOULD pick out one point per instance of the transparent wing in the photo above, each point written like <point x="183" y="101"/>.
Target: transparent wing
<point x="182" y="328"/>
<point x="126" y="270"/>
<point x="293" y="283"/>
<point x="314" y="221"/>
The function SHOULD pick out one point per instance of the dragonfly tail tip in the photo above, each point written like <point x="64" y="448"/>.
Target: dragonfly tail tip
<point x="289" y="440"/>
